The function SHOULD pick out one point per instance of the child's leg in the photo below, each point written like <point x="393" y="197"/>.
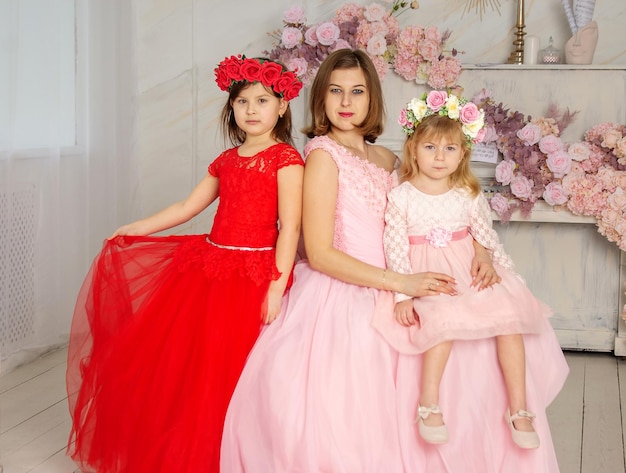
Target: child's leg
<point x="512" y="358"/>
<point x="435" y="360"/>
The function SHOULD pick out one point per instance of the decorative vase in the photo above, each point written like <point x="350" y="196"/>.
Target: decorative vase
<point x="581" y="47"/>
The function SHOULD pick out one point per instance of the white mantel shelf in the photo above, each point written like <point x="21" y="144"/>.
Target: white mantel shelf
<point x="546" y="67"/>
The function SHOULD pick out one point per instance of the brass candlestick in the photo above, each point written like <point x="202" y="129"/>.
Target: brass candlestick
<point x="517" y="55"/>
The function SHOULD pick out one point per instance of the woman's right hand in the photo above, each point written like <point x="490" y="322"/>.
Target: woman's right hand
<point x="427" y="284"/>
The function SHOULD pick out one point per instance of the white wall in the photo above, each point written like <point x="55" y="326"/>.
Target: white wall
<point x="179" y="42"/>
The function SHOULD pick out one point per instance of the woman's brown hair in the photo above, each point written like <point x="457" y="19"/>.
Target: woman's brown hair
<point x="372" y="126"/>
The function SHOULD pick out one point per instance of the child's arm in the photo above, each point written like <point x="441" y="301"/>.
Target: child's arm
<point x="200" y="198"/>
<point x="289" y="217"/>
<point x="483" y="273"/>
<point x="405" y="313"/>
<point x="318" y="225"/>
<point x="481" y="228"/>
<point x="396" y="240"/>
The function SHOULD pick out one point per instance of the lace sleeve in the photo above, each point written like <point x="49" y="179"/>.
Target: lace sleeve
<point x="289" y="156"/>
<point x="396" y="242"/>
<point x="481" y="228"/>
<point x="216" y="165"/>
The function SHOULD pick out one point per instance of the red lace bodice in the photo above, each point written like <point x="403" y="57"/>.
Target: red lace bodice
<point x="247" y="213"/>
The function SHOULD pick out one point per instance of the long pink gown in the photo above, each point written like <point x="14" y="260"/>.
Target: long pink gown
<point x="473" y="398"/>
<point x="317" y="393"/>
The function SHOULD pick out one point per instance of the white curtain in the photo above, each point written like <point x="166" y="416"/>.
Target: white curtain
<point x="68" y="171"/>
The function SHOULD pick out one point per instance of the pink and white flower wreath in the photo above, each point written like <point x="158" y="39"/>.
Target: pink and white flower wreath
<point x="439" y="102"/>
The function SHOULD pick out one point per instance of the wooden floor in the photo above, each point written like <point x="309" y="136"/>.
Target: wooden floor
<point x="588" y="419"/>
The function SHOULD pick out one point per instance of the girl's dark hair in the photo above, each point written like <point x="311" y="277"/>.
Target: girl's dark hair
<point x="282" y="131"/>
<point x="372" y="126"/>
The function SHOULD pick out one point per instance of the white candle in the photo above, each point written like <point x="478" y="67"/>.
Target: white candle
<point x="531" y="49"/>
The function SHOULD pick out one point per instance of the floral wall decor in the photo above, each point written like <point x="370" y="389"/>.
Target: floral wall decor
<point x="586" y="177"/>
<point x="417" y="53"/>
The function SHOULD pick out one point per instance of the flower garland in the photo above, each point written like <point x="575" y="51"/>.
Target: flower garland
<point x="439" y="102"/>
<point x="240" y="68"/>
<point x="587" y="177"/>
<point x="415" y="53"/>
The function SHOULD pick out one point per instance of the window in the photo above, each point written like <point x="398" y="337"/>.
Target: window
<point x="38" y="79"/>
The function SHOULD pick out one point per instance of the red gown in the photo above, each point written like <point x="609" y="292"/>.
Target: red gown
<point x="163" y="325"/>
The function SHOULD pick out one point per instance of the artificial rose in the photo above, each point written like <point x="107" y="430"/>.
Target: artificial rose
<point x="472" y="129"/>
<point x="310" y="36"/>
<point x="439" y="237"/>
<point x="288" y="85"/>
<point x="530" y="134"/>
<point x="432" y="33"/>
<point x="453" y="107"/>
<point x="327" y="33"/>
<point x="232" y="66"/>
<point x="222" y="79"/>
<point x="429" y="49"/>
<point x="436" y="99"/>
<point x="377" y="45"/>
<point x="620" y="179"/>
<point x="291" y="37"/>
<point x="374" y="12"/>
<point x="418" y="107"/>
<point x="270" y="71"/>
<point x="554" y="194"/>
<point x="251" y="71"/>
<point x="617" y="200"/>
<point x="551" y="144"/>
<point x="480" y="136"/>
<point x="610" y="138"/>
<point x="469" y="113"/>
<point x="559" y="163"/>
<point x="607" y="176"/>
<point x="294" y="15"/>
<point x="579" y="151"/>
<point x="620" y="148"/>
<point x="522" y="187"/>
<point x="298" y="65"/>
<point x="504" y="171"/>
<point x="499" y="204"/>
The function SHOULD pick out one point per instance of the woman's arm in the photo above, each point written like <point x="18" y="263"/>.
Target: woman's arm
<point x="318" y="225"/>
<point x="289" y="217"/>
<point x="199" y="199"/>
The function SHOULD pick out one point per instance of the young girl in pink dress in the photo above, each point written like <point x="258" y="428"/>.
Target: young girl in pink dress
<point x="163" y="324"/>
<point x="318" y="391"/>
<point x="433" y="219"/>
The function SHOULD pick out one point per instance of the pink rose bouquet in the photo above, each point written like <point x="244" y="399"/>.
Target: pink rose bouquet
<point x="372" y="28"/>
<point x="534" y="161"/>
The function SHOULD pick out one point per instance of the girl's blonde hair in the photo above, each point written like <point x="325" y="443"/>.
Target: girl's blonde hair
<point x="432" y="128"/>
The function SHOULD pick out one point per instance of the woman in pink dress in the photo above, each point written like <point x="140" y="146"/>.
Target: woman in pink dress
<point x="163" y="324"/>
<point x="318" y="391"/>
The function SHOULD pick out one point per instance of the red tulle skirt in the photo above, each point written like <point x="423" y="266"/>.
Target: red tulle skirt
<point x="161" y="331"/>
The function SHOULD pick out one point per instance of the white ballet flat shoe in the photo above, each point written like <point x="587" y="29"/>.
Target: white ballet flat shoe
<point x="521" y="438"/>
<point x="432" y="434"/>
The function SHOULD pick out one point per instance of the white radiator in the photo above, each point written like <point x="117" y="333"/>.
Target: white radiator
<point x="18" y="223"/>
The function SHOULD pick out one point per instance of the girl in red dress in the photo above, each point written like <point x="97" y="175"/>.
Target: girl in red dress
<point x="163" y="324"/>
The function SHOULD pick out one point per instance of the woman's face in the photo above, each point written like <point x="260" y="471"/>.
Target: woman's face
<point x="347" y="99"/>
